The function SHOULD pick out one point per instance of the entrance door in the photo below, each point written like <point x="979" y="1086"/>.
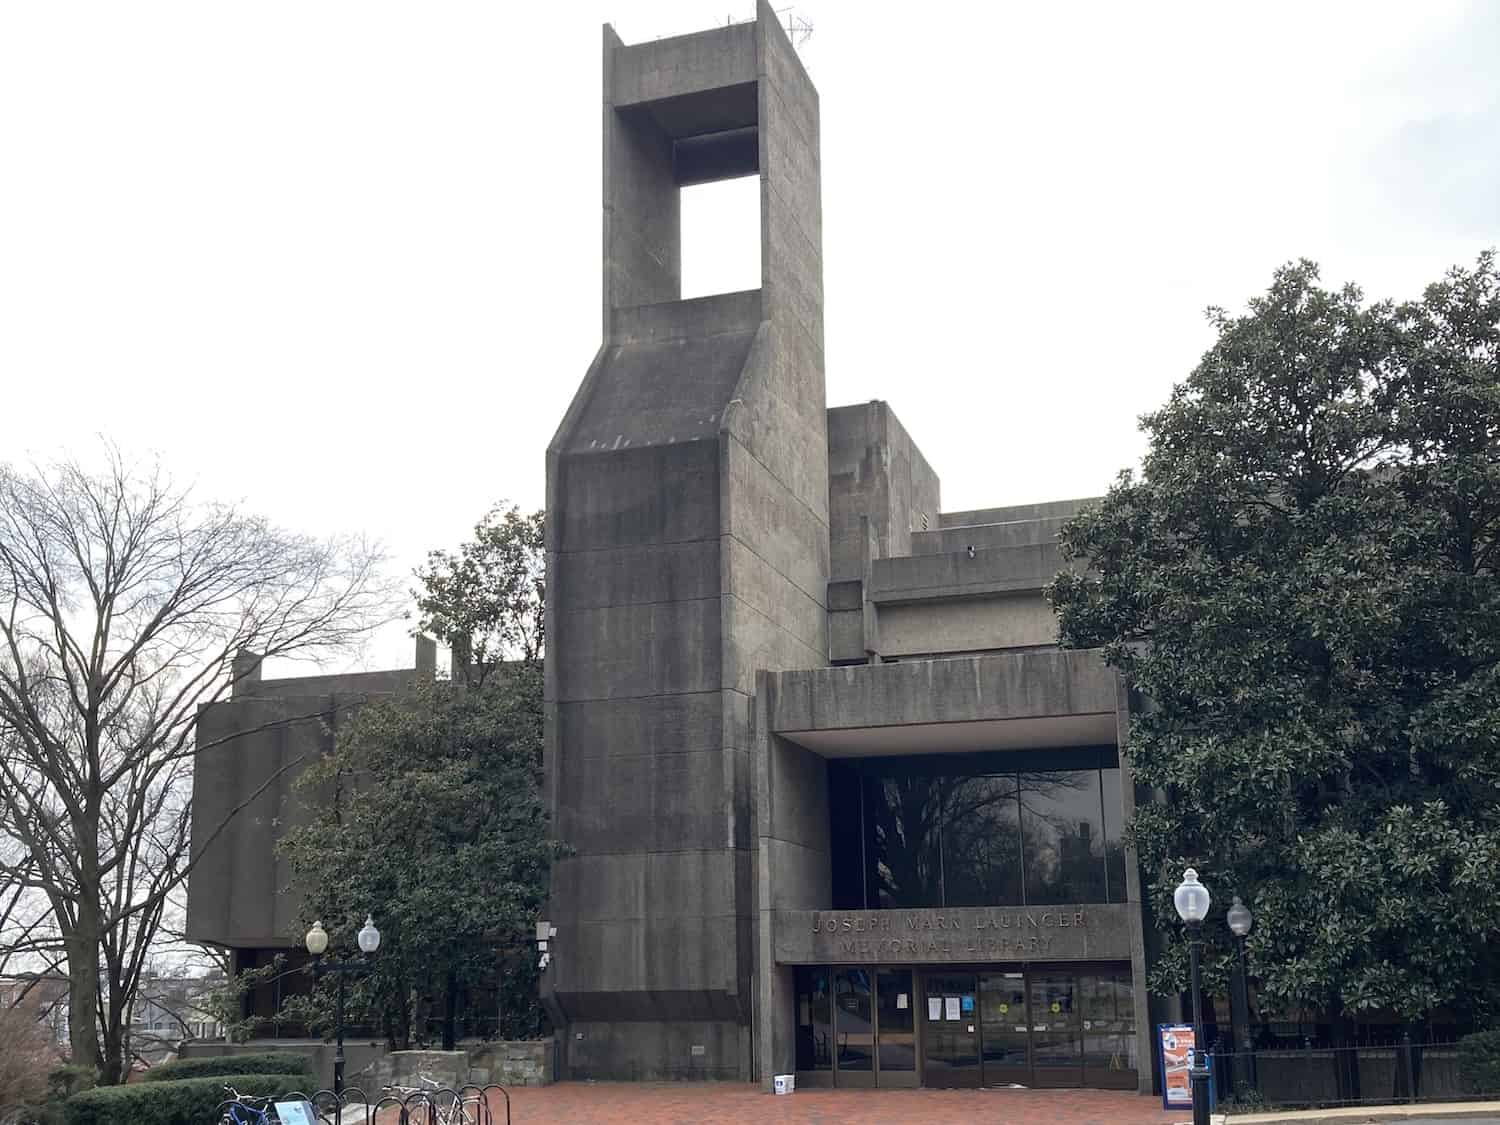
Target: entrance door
<point x="950" y="1030"/>
<point x="1004" y="1028"/>
<point x="1056" y="1049"/>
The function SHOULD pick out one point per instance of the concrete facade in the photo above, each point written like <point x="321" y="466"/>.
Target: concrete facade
<point x="253" y="747"/>
<point x="752" y="599"/>
<point x="746" y="587"/>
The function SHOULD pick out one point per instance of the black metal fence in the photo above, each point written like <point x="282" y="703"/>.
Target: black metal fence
<point x="1314" y="1076"/>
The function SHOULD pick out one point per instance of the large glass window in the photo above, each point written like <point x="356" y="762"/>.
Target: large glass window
<point x="982" y="843"/>
<point x="1114" y="834"/>
<point x="1002" y="829"/>
<point x="903" y="819"/>
<point x="1062" y="831"/>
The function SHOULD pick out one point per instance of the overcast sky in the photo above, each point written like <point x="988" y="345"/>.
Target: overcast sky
<point x="341" y="260"/>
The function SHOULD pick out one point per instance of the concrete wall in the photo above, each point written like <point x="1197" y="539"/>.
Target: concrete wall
<point x="877" y="474"/>
<point x="967" y="625"/>
<point x="252" y="748"/>
<point x="1051" y="509"/>
<point x="687" y="548"/>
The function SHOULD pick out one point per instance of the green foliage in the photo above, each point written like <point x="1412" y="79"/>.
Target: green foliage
<point x="1302" y="583"/>
<point x="485" y="602"/>
<point x="190" y="1101"/>
<point x="269" y="1062"/>
<point x="69" y="1079"/>
<point x="441" y="832"/>
<point x="1479" y="1062"/>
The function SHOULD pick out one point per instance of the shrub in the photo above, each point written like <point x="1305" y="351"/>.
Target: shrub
<point x="1479" y="1061"/>
<point x="269" y="1062"/>
<point x="66" y="1080"/>
<point x="190" y="1101"/>
<point x="26" y="1055"/>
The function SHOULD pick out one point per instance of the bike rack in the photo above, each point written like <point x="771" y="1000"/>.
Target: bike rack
<point x="364" y="1100"/>
<point x="485" y="1116"/>
<point x="373" y="1113"/>
<point x="503" y="1093"/>
<point x="432" y="1108"/>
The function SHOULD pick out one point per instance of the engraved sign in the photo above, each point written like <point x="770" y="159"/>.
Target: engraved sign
<point x="967" y="934"/>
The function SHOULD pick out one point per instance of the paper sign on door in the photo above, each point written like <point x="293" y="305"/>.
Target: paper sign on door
<point x="950" y="1007"/>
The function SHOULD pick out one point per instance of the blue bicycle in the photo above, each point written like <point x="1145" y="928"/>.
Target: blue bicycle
<point x="242" y="1109"/>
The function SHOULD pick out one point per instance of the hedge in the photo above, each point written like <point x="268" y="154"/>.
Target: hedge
<point x="268" y="1062"/>
<point x="190" y="1101"/>
<point x="1479" y="1061"/>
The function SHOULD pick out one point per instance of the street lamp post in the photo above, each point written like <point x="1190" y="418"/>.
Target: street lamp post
<point x="1240" y="921"/>
<point x="317" y="944"/>
<point x="1192" y="901"/>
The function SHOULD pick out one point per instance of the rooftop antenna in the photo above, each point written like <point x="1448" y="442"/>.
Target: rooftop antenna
<point x="798" y="30"/>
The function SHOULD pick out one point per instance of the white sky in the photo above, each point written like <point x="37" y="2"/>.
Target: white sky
<point x="341" y="260"/>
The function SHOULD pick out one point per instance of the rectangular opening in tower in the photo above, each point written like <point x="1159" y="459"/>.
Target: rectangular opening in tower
<point x="721" y="237"/>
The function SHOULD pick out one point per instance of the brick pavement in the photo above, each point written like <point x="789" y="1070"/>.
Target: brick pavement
<point x="716" y="1103"/>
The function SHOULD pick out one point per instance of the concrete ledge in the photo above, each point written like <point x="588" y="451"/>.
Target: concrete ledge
<point x="989" y="571"/>
<point x="963" y="689"/>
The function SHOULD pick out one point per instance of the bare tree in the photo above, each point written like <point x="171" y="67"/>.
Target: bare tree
<point x="123" y="604"/>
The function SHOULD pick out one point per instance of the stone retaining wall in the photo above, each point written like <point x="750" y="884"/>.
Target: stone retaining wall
<point x="510" y="1063"/>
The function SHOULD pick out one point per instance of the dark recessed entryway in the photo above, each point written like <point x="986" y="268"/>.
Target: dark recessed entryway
<point x="1046" y="1026"/>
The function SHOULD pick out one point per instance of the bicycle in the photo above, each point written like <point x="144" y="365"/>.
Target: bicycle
<point x="456" y="1112"/>
<point x="244" y="1109"/>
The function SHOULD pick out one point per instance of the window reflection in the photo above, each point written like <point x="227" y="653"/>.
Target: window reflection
<point x="914" y="837"/>
<point x="902" y="818"/>
<point x="982" y="843"/>
<point x="814" y="1019"/>
<point x="856" y="1030"/>
<point x="1063" y="825"/>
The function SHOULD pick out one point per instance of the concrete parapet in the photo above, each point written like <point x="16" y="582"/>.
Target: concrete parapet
<point x="963" y="689"/>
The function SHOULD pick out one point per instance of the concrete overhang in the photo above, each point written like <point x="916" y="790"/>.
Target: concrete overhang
<point x="1030" y="700"/>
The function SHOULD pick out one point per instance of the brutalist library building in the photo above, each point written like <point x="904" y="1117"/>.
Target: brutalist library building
<point x="838" y="804"/>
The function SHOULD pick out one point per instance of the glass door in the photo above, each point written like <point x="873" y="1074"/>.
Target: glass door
<point x="1056" y="1049"/>
<point x="854" y="1028"/>
<point x="895" y="1018"/>
<point x="950" y="1030"/>
<point x="1004" y="1029"/>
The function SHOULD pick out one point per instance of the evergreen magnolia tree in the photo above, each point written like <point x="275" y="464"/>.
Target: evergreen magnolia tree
<point x="1301" y="584"/>
<point x="436" y="821"/>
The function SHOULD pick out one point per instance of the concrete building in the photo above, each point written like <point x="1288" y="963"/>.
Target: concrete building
<point x="839" y="805"/>
<point x="258" y="741"/>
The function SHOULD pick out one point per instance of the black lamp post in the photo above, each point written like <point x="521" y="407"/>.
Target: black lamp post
<point x="317" y="944"/>
<point x="1240" y="921"/>
<point x="1192" y="901"/>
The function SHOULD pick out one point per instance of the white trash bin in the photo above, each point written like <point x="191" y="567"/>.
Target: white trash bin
<point x="785" y="1083"/>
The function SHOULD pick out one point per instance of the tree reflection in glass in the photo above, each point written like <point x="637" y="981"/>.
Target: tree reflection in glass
<point x="1063" y="822"/>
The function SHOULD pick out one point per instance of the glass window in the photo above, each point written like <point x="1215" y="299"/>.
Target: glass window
<point x="855" y="1019"/>
<point x="902" y="819"/>
<point x="814" y="1019"/>
<point x="896" y="1004"/>
<point x="982" y="843"/>
<point x="1062" y="836"/>
<point x="905" y="834"/>
<point x="1114" y="841"/>
<point x="1108" y="1022"/>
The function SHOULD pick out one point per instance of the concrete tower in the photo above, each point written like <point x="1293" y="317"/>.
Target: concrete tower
<point x="688" y="547"/>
